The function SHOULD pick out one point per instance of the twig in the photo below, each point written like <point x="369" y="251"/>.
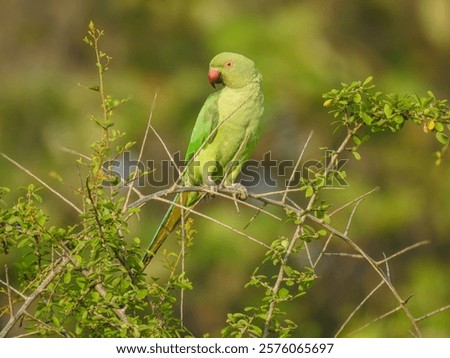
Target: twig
<point x="141" y="152"/>
<point x="63" y="198"/>
<point x="432" y="313"/>
<point x="349" y="222"/>
<point x="406" y="249"/>
<point x="183" y="256"/>
<point x="218" y="222"/>
<point x="357" y="308"/>
<point x="344" y="254"/>
<point x="74" y="152"/>
<point x="279" y="280"/>
<point x="374" y="265"/>
<point x="302" y="152"/>
<point x="359" y="198"/>
<point x="398" y="308"/>
<point x="8" y="290"/>
<point x="222" y="191"/>
<point x="62" y="333"/>
<point x="57" y="268"/>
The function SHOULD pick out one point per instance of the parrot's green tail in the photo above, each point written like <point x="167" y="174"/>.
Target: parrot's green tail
<point x="170" y="221"/>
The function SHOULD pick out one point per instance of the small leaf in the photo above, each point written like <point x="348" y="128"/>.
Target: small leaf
<point x="67" y="278"/>
<point x="368" y="80"/>
<point x="442" y="138"/>
<point x="439" y="127"/>
<point x="356" y="155"/>
<point x="283" y="293"/>
<point x="328" y="102"/>
<point x="357" y="140"/>
<point x="142" y="294"/>
<point x="387" y="110"/>
<point x="430" y="125"/>
<point x="366" y="118"/>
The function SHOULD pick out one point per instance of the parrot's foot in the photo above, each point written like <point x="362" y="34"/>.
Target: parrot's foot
<point x="241" y="191"/>
<point x="211" y="187"/>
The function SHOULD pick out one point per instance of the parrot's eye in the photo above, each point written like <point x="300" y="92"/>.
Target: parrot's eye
<point x="229" y="64"/>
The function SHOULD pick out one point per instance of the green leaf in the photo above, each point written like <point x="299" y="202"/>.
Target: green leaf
<point x="283" y="293"/>
<point x="368" y="80"/>
<point x="438" y="126"/>
<point x="67" y="278"/>
<point x="366" y="118"/>
<point x="387" y="110"/>
<point x="356" y="140"/>
<point x="356" y="155"/>
<point x="442" y="138"/>
<point x="142" y="294"/>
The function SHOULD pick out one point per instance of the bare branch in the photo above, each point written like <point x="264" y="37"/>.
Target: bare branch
<point x="406" y="249"/>
<point x="141" y="152"/>
<point x="62" y="197"/>
<point x="359" y="198"/>
<point x="357" y="308"/>
<point x="398" y="308"/>
<point x="218" y="222"/>
<point x="439" y="310"/>
<point x="302" y="152"/>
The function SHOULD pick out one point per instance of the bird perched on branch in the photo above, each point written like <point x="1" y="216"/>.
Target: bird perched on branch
<point x="224" y="136"/>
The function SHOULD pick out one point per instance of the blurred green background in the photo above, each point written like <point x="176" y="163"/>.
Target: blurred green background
<point x="303" y="49"/>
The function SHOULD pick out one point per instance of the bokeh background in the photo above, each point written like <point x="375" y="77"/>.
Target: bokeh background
<point x="303" y="49"/>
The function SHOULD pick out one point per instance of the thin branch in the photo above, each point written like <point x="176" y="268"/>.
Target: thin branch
<point x="349" y="222"/>
<point x="344" y="254"/>
<point x="182" y="189"/>
<point x="74" y="152"/>
<point x="439" y="310"/>
<point x="57" y="268"/>
<point x="398" y="308"/>
<point x="63" y="198"/>
<point x="141" y="152"/>
<point x="218" y="222"/>
<point x="183" y="256"/>
<point x="374" y="266"/>
<point x="359" y="198"/>
<point x="406" y="249"/>
<point x="279" y="280"/>
<point x="8" y="290"/>
<point x="61" y="333"/>
<point x="302" y="152"/>
<point x="322" y="252"/>
<point x="357" y="308"/>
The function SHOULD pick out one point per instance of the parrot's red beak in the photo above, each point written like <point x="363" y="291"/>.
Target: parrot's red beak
<point x="214" y="76"/>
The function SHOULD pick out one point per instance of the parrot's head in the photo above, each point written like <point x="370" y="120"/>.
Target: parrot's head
<point x="232" y="70"/>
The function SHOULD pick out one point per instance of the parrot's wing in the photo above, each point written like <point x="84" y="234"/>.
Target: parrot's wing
<point x="207" y="121"/>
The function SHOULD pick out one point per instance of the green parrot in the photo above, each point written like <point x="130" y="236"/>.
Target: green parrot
<point x="225" y="134"/>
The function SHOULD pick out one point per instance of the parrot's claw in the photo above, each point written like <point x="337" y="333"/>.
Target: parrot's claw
<point x="211" y="187"/>
<point x="241" y="191"/>
<point x="212" y="190"/>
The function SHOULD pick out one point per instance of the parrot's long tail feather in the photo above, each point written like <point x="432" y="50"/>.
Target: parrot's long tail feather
<point x="169" y="222"/>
